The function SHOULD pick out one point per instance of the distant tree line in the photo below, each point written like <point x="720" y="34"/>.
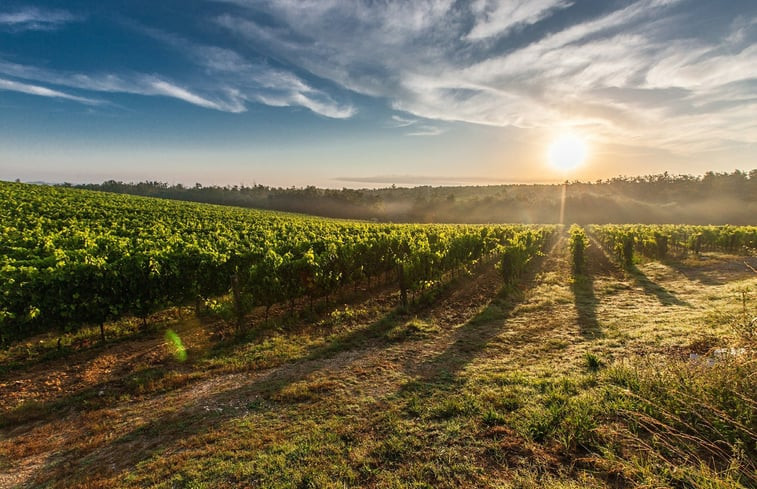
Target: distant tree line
<point x="713" y="198"/>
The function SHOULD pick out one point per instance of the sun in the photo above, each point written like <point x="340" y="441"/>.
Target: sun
<point x="567" y="152"/>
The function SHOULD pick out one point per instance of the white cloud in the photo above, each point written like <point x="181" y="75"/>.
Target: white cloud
<point x="161" y="87"/>
<point x="327" y="109"/>
<point x="613" y="72"/>
<point x="34" y="19"/>
<point x="499" y="17"/>
<point x="228" y="82"/>
<point x="630" y="74"/>
<point x="246" y="81"/>
<point x="425" y="130"/>
<point x="29" y="89"/>
<point x="399" y="121"/>
<point x="270" y="87"/>
<point x="137" y="84"/>
<point x="695" y="67"/>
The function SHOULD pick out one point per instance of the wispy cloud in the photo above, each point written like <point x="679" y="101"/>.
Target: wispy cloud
<point x="637" y="72"/>
<point x="499" y="17"/>
<point x="415" y="126"/>
<point x="399" y="121"/>
<point x="14" y="86"/>
<point x="152" y="86"/>
<point x="611" y="70"/>
<point x="251" y="81"/>
<point x="425" y="130"/>
<point x="226" y="81"/>
<point x="136" y="84"/>
<point x="35" y="19"/>
<point x="270" y="88"/>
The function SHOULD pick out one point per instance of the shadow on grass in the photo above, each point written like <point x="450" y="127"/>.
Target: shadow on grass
<point x="137" y="382"/>
<point x="157" y="379"/>
<point x="586" y="306"/>
<point x="663" y="295"/>
<point x="694" y="274"/>
<point x="472" y="338"/>
<point x="599" y="263"/>
<point x="713" y="269"/>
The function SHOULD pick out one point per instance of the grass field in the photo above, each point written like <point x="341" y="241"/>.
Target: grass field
<point x="612" y="378"/>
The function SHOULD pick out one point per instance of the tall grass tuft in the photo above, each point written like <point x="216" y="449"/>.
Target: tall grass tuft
<point x="687" y="424"/>
<point x="593" y="363"/>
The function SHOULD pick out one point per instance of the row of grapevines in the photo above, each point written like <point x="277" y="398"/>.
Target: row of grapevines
<point x="70" y="257"/>
<point x="657" y="241"/>
<point x="578" y="243"/>
<point x="520" y="250"/>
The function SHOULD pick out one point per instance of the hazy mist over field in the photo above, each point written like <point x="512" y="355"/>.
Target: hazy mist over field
<point x="722" y="198"/>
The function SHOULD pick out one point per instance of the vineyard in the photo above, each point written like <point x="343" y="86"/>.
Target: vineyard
<point x="359" y="354"/>
<point x="73" y="257"/>
<point x="663" y="241"/>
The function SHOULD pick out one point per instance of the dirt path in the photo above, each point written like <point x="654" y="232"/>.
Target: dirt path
<point x="76" y="373"/>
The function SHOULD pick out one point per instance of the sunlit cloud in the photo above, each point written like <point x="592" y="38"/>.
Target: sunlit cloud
<point x="670" y="78"/>
<point x="614" y="70"/>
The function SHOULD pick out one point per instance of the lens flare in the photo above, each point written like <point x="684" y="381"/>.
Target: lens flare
<point x="179" y="352"/>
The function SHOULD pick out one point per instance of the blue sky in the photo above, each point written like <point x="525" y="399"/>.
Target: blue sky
<point x="368" y="93"/>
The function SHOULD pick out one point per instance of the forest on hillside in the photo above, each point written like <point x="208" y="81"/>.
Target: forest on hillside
<point x="714" y="198"/>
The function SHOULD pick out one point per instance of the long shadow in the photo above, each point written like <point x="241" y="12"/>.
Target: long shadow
<point x="472" y="337"/>
<point x="91" y="398"/>
<point x="586" y="306"/>
<point x="714" y="271"/>
<point x="600" y="261"/>
<point x="663" y="295"/>
<point x="693" y="274"/>
<point x="87" y="399"/>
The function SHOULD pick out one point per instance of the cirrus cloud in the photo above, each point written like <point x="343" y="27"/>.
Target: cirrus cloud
<point x="475" y="62"/>
<point x="35" y="19"/>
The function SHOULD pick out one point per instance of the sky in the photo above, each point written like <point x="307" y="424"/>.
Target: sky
<point x="369" y="93"/>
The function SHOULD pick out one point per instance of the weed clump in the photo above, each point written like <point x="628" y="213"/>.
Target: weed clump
<point x="593" y="363"/>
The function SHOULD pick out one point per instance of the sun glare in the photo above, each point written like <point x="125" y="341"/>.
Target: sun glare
<point x="567" y="152"/>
